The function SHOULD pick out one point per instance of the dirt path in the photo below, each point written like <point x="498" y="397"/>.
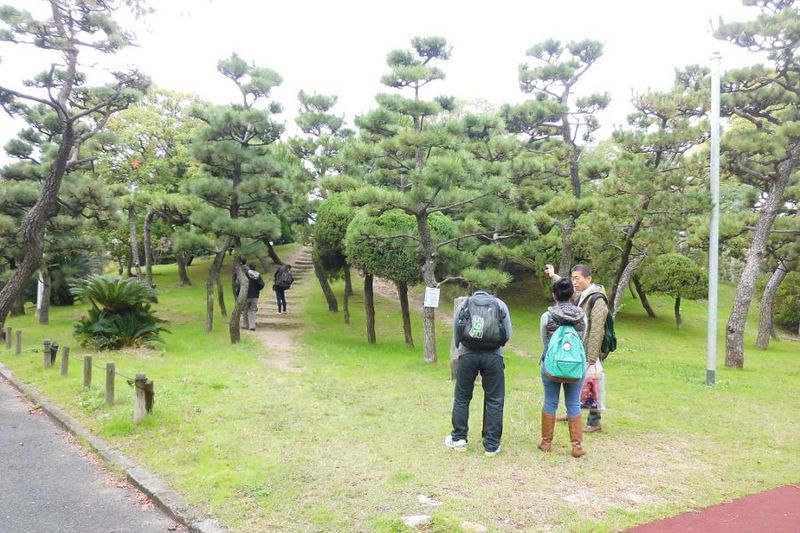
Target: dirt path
<point x="278" y="332"/>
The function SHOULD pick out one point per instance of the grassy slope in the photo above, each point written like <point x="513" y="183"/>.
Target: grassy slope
<point x="349" y="443"/>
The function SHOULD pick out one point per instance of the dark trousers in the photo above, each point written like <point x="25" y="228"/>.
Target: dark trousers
<point x="281" y="294"/>
<point x="492" y="370"/>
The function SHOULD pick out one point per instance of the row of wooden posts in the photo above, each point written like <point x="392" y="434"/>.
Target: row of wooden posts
<point x="143" y="387"/>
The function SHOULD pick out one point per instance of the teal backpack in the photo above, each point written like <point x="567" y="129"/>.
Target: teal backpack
<point x="565" y="358"/>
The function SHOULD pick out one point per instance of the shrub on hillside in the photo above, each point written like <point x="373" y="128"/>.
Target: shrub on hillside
<point x="120" y="315"/>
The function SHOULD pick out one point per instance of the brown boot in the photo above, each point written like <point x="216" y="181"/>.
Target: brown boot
<point x="576" y="435"/>
<point x="548" y="424"/>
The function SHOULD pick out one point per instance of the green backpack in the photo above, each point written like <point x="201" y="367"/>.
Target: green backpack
<point x="609" y="335"/>
<point x="565" y="358"/>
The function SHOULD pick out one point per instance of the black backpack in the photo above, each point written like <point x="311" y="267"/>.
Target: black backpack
<point x="480" y="324"/>
<point x="609" y="335"/>
<point x="284" y="279"/>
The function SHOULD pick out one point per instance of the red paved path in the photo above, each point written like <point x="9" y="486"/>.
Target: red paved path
<point x="776" y="510"/>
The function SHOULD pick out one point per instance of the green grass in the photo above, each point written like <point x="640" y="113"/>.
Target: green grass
<point x="349" y="442"/>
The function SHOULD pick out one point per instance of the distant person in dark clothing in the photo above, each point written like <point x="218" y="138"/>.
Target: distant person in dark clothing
<point x="254" y="286"/>
<point x="283" y="280"/>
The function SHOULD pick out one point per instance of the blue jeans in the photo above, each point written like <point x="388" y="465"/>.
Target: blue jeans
<point x="572" y="396"/>
<point x="491" y="367"/>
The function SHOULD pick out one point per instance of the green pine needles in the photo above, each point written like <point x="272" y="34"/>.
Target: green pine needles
<point x="120" y="315"/>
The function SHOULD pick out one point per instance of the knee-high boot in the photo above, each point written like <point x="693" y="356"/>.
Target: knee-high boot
<point x="548" y="424"/>
<point x="576" y="435"/>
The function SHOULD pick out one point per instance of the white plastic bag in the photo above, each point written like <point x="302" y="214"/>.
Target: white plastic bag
<point x="595" y="377"/>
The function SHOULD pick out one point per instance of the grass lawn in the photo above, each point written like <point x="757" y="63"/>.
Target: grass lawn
<point x="348" y="443"/>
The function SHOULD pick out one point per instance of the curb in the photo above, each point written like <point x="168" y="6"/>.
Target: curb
<point x="169" y="501"/>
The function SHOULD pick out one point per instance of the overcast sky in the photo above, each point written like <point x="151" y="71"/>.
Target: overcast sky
<point x="340" y="47"/>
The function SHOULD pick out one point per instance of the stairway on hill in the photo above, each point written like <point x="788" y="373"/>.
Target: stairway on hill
<point x="268" y="316"/>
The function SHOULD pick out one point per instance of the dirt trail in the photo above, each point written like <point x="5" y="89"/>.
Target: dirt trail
<point x="278" y="332"/>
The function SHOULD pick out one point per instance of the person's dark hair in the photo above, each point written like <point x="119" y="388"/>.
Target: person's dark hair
<point x="562" y="290"/>
<point x="252" y="266"/>
<point x="583" y="269"/>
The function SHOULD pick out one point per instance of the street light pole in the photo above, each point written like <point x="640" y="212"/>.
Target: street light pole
<point x="713" y="237"/>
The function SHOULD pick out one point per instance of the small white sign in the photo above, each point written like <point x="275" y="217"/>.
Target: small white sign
<point x="431" y="297"/>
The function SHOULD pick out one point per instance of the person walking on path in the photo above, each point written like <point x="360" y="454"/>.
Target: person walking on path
<point x="486" y="317"/>
<point x="596" y="310"/>
<point x="254" y="286"/>
<point x="562" y="313"/>
<point x="283" y="279"/>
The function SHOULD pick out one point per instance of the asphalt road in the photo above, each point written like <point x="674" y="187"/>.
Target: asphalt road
<point x="49" y="484"/>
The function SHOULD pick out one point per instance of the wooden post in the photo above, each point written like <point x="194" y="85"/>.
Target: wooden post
<point x="46" y="352"/>
<point x="64" y="360"/>
<point x="87" y="371"/>
<point x="110" y="372"/>
<point x="149" y="396"/>
<point x="18" y="350"/>
<point x="453" y="349"/>
<point x="139" y="405"/>
<point x="8" y="336"/>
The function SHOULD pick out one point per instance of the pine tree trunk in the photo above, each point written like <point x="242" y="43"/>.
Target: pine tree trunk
<point x="643" y="296"/>
<point x="565" y="263"/>
<point x="346" y="306"/>
<point x="183" y="274"/>
<point x="213" y="276"/>
<point x="18" y="306"/>
<point x="402" y="292"/>
<point x="369" y="306"/>
<point x="44" y="311"/>
<point x="241" y="301"/>
<point x="734" y="339"/>
<point x="429" y="277"/>
<point x="223" y="310"/>
<point x="273" y="255"/>
<point x="765" y="326"/>
<point x="623" y="281"/>
<point x="330" y="297"/>
<point x="348" y="282"/>
<point x="678" y="320"/>
<point x="148" y="248"/>
<point x="35" y="221"/>
<point x="134" y="240"/>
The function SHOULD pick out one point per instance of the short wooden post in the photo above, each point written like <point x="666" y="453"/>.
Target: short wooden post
<point x="149" y="396"/>
<point x="8" y="336"/>
<point x="47" y="359"/>
<point x="87" y="371"/>
<point x="110" y="372"/>
<point x="18" y="350"/>
<point x="64" y="360"/>
<point x="139" y="405"/>
<point x="453" y="348"/>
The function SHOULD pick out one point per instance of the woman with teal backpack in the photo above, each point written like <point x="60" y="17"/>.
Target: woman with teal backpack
<point x="563" y="313"/>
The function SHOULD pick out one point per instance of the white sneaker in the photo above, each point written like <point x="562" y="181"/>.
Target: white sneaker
<point x="458" y="445"/>
<point x="492" y="454"/>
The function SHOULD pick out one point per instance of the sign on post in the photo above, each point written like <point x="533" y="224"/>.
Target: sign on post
<point x="431" y="297"/>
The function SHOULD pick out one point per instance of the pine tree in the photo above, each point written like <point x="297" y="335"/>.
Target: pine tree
<point x="766" y="154"/>
<point x="60" y="106"/>
<point x="243" y="186"/>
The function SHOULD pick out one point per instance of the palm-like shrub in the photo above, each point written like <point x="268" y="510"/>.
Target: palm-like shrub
<point x="120" y="315"/>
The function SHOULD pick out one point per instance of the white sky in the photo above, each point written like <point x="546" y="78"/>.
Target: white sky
<point x="340" y="47"/>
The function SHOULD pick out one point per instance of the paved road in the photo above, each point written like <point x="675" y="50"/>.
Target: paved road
<point x="46" y="485"/>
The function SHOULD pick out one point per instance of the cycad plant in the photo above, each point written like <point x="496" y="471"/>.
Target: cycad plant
<point x="120" y="315"/>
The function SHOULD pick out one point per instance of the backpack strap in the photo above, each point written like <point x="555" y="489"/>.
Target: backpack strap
<point x="593" y="300"/>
